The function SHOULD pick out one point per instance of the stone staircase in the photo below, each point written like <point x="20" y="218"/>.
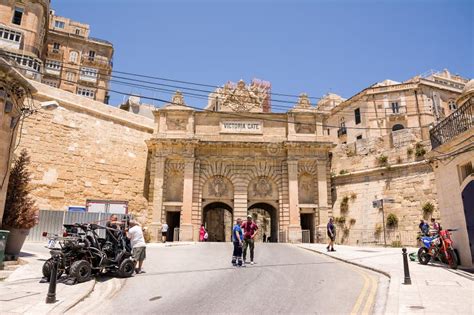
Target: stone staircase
<point x="8" y="267"/>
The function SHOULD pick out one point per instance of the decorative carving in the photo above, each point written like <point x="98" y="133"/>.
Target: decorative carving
<point x="303" y="101"/>
<point x="178" y="98"/>
<point x="217" y="187"/>
<point x="240" y="97"/>
<point x="262" y="188"/>
<point x="303" y="127"/>
<point x="176" y="123"/>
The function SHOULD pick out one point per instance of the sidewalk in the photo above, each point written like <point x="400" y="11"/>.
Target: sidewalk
<point x="22" y="292"/>
<point x="435" y="289"/>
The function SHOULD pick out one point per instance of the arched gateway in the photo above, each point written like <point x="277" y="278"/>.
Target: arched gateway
<point x="211" y="167"/>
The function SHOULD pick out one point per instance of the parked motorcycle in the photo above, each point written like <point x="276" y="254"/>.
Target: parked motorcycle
<point x="439" y="246"/>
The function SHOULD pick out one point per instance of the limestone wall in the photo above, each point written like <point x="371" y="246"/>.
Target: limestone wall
<point x="85" y="150"/>
<point x="410" y="185"/>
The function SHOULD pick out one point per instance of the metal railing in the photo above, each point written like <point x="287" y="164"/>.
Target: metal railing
<point x="341" y="131"/>
<point x="458" y="122"/>
<point x="96" y="61"/>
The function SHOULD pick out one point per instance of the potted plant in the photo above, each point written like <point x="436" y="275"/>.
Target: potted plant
<point x="20" y="214"/>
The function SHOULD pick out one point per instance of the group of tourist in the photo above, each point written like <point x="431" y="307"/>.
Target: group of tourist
<point x="243" y="237"/>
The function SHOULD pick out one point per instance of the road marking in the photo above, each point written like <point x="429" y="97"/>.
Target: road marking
<point x="371" y="297"/>
<point x="360" y="299"/>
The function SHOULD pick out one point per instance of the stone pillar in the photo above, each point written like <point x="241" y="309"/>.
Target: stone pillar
<point x="186" y="226"/>
<point x="294" y="229"/>
<point x="157" y="205"/>
<point x="322" y="184"/>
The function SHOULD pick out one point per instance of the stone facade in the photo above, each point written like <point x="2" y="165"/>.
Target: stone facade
<point x="85" y="150"/>
<point x="205" y="160"/>
<point x="54" y="49"/>
<point x="14" y="91"/>
<point x="381" y="136"/>
<point x="452" y="162"/>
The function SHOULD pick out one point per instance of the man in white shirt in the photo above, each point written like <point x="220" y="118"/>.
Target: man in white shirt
<point x="164" y="232"/>
<point x="135" y="234"/>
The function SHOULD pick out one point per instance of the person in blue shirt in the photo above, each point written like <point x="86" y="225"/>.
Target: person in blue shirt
<point x="237" y="236"/>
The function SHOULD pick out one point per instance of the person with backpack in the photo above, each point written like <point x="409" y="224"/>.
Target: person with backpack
<point x="250" y="231"/>
<point x="237" y="236"/>
<point x="202" y="234"/>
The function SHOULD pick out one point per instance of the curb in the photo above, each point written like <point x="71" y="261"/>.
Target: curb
<point x="78" y="299"/>
<point x="348" y="261"/>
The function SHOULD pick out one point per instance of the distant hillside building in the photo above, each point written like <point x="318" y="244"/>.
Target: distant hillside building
<point x="55" y="50"/>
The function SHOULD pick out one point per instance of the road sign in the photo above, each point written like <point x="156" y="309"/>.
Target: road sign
<point x="388" y="200"/>
<point x="377" y="203"/>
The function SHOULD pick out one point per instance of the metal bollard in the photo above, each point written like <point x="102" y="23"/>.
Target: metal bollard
<point x="51" y="297"/>
<point x="405" y="267"/>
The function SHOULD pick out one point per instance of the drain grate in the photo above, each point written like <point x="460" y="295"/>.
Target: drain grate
<point x="155" y="298"/>
<point x="417" y="307"/>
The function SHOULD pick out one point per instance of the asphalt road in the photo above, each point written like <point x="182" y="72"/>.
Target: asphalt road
<point x="199" y="279"/>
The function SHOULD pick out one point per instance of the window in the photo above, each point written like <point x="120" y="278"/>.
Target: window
<point x="56" y="47"/>
<point x="17" y="15"/>
<point x="51" y="83"/>
<point x="357" y="116"/>
<point x="78" y="31"/>
<point x="73" y="56"/>
<point x="397" y="127"/>
<point x="89" y="72"/>
<point x="452" y="105"/>
<point x="359" y="137"/>
<point x="53" y="64"/>
<point x="59" y="24"/>
<point x="85" y="92"/>
<point x="91" y="55"/>
<point x="10" y="35"/>
<point x="70" y="76"/>
<point x="395" y="108"/>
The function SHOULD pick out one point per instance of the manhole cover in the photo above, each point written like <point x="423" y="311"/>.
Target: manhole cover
<point x="155" y="298"/>
<point x="417" y="307"/>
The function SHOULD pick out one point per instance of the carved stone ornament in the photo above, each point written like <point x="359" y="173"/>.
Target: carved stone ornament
<point x="242" y="98"/>
<point x="178" y="98"/>
<point x="304" y="128"/>
<point x="176" y="123"/>
<point x="218" y="187"/>
<point x="306" y="184"/>
<point x="303" y="101"/>
<point x="262" y="188"/>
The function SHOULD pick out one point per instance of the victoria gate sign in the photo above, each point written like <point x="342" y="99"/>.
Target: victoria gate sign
<point x="240" y="126"/>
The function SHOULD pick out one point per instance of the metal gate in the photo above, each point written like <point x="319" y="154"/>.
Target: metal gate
<point x="52" y="221"/>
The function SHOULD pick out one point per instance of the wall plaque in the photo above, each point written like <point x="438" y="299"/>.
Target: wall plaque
<point x="242" y="126"/>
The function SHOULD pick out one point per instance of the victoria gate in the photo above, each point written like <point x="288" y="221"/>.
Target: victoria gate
<point x="236" y="158"/>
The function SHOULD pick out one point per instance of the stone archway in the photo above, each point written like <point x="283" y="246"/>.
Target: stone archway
<point x="265" y="215"/>
<point x="218" y="218"/>
<point x="468" y="203"/>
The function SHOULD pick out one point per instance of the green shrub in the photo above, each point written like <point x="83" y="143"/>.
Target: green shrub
<point x="353" y="196"/>
<point x="352" y="221"/>
<point x="344" y="207"/>
<point x="340" y="220"/>
<point x="342" y="172"/>
<point x="382" y="160"/>
<point x="392" y="220"/>
<point x="428" y="208"/>
<point x="396" y="244"/>
<point x="409" y="151"/>
<point x="419" y="150"/>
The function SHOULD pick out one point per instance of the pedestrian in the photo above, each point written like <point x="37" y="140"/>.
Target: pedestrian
<point x="331" y="229"/>
<point x="264" y="237"/>
<point x="135" y="234"/>
<point x="164" y="232"/>
<point x="114" y="225"/>
<point x="237" y="241"/>
<point x="202" y="234"/>
<point x="435" y="225"/>
<point x="424" y="228"/>
<point x="250" y="231"/>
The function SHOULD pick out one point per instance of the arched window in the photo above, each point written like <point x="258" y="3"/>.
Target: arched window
<point x="452" y="105"/>
<point x="73" y="56"/>
<point x="397" y="127"/>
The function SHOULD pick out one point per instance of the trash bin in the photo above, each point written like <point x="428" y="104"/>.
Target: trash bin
<point x="3" y="243"/>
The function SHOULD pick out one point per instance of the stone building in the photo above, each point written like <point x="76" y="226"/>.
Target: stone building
<point x="215" y="165"/>
<point x="23" y="27"/>
<point x="452" y="159"/>
<point x="55" y="50"/>
<point x="76" y="62"/>
<point x="14" y="90"/>
<point x="381" y="136"/>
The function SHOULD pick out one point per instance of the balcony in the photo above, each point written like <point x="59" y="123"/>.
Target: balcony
<point x="96" y="61"/>
<point x="54" y="53"/>
<point x="341" y="132"/>
<point x="396" y="113"/>
<point x="458" y="122"/>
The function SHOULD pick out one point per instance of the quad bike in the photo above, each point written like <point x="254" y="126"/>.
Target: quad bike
<point x="82" y="253"/>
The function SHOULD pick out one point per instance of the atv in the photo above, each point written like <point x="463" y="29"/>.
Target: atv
<point x="83" y="253"/>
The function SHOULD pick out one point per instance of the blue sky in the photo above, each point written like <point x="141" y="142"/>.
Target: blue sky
<point x="299" y="46"/>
